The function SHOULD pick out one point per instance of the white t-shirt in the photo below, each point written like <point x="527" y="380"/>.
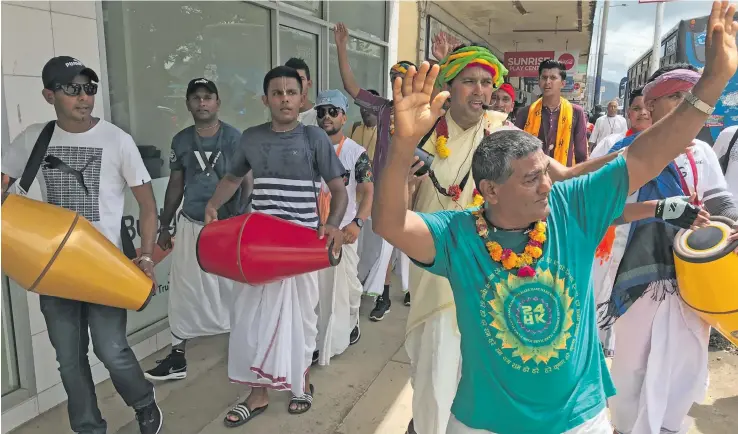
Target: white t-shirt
<point x="309" y="117"/>
<point x="720" y="148"/>
<point x="83" y="172"/>
<point x="606" y="126"/>
<point x="350" y="153"/>
<point x="710" y="180"/>
<point x="603" y="148"/>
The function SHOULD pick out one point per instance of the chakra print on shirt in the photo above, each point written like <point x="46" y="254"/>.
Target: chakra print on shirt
<point x="531" y="321"/>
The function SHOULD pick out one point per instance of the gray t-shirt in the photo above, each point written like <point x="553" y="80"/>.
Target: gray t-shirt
<point x="287" y="169"/>
<point x="200" y="183"/>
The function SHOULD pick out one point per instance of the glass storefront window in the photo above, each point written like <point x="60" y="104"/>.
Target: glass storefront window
<point x="367" y="16"/>
<point x="304" y="45"/>
<point x="155" y="48"/>
<point x="311" y="6"/>
<point x="367" y="63"/>
<point x="10" y="380"/>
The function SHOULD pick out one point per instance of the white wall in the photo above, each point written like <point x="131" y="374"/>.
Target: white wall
<point x="32" y="33"/>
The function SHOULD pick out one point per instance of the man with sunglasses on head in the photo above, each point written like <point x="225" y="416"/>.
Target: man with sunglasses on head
<point x="199" y="302"/>
<point x="340" y="289"/>
<point x="88" y="164"/>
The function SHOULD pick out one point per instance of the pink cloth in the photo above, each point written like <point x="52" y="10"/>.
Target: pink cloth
<point x="678" y="80"/>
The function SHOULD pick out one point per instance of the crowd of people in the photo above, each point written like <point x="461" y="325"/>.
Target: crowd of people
<point x="517" y="245"/>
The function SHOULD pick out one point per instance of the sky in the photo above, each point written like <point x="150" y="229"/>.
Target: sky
<point x="630" y="31"/>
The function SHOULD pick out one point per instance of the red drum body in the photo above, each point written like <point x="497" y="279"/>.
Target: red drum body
<point x="257" y="248"/>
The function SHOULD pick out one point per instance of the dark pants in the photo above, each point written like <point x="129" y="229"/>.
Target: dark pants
<point x="68" y="322"/>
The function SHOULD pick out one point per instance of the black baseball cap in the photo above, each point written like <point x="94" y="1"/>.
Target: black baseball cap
<point x="197" y="83"/>
<point x="63" y="69"/>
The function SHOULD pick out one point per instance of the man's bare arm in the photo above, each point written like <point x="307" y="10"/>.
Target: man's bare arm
<point x="247" y="187"/>
<point x="366" y="191"/>
<point x="144" y="195"/>
<point x="559" y="172"/>
<point x="226" y="188"/>
<point x="657" y="146"/>
<point x="339" y="201"/>
<point x="173" y="196"/>
<point x="344" y="68"/>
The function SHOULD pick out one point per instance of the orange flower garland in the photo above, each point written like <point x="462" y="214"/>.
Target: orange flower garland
<point x="509" y="259"/>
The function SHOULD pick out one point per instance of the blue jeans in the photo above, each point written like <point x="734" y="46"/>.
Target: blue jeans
<point x="68" y="322"/>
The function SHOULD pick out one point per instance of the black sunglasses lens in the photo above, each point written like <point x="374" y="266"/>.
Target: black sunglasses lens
<point x="90" y="88"/>
<point x="321" y="112"/>
<point x="71" y="89"/>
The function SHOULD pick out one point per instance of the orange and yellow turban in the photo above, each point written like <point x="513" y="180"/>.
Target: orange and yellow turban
<point x="464" y="57"/>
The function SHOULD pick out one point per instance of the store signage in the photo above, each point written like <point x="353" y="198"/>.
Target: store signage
<point x="525" y="63"/>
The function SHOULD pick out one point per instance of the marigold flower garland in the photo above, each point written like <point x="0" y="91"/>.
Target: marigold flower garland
<point x="442" y="149"/>
<point x="509" y="259"/>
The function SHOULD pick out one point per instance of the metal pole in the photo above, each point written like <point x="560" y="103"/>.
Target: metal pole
<point x="656" y="51"/>
<point x="601" y="53"/>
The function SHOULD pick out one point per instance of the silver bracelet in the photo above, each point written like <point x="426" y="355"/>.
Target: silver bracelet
<point x="146" y="258"/>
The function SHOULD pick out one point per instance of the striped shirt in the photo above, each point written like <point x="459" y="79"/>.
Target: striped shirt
<point x="287" y="169"/>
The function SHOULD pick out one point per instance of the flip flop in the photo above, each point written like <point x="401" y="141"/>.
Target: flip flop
<point x="242" y="412"/>
<point x="306" y="399"/>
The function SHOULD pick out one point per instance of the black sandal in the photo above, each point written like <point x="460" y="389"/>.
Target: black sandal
<point x="242" y="412"/>
<point x="306" y="399"/>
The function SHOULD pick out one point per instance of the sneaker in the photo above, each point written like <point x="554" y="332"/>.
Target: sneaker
<point x="380" y="309"/>
<point x="355" y="335"/>
<point x="407" y="298"/>
<point x="173" y="367"/>
<point x="150" y="418"/>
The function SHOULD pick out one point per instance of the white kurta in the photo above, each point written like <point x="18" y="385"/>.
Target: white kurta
<point x="199" y="302"/>
<point x="273" y="333"/>
<point x="338" y="306"/>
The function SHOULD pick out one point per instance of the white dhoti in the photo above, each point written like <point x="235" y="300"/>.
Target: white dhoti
<point x="660" y="366"/>
<point x="374" y="258"/>
<point x="435" y="356"/>
<point x="597" y="425"/>
<point x="338" y="305"/>
<point x="199" y="303"/>
<point x="273" y="333"/>
<point x="402" y="268"/>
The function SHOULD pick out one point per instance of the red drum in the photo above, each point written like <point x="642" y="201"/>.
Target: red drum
<point x="257" y="248"/>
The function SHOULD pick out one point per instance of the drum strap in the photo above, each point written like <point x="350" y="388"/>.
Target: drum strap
<point x="34" y="164"/>
<point x="725" y="159"/>
<point x="685" y="186"/>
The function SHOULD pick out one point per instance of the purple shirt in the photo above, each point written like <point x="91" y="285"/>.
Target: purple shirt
<point x="382" y="108"/>
<point x="549" y="126"/>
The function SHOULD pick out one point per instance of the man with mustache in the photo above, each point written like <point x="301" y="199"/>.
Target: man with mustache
<point x="89" y="164"/>
<point x="199" y="302"/>
<point x="503" y="101"/>
<point x="274" y="325"/>
<point x="561" y="125"/>
<point x="340" y="288"/>
<point x="520" y="264"/>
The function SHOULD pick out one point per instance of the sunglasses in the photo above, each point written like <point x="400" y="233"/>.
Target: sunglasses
<point x="74" y="89"/>
<point x="332" y="111"/>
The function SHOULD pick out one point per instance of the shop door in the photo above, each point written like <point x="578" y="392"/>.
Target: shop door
<point x="301" y="39"/>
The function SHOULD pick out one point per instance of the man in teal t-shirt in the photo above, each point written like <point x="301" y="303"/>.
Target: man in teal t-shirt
<point x="520" y="268"/>
<point x="530" y="344"/>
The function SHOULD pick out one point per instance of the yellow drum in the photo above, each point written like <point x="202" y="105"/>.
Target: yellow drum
<point x="54" y="251"/>
<point x="707" y="272"/>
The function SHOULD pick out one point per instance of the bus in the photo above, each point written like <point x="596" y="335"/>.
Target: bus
<point x="685" y="43"/>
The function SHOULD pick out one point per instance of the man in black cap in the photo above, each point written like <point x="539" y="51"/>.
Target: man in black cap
<point x="86" y="168"/>
<point x="199" y="303"/>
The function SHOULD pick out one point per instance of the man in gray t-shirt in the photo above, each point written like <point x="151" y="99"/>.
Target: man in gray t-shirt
<point x="274" y="325"/>
<point x="198" y="302"/>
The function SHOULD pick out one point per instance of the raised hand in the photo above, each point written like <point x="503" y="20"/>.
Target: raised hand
<point x="415" y="114"/>
<point x="341" y="34"/>
<point x="440" y="46"/>
<point x="720" y="47"/>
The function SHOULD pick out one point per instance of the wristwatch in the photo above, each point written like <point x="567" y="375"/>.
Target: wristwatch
<point x="359" y="222"/>
<point x="698" y="104"/>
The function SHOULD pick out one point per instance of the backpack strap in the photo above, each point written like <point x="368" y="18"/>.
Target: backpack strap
<point x="37" y="156"/>
<point x="725" y="159"/>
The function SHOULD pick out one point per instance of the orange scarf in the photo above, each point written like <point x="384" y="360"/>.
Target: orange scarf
<point x="324" y="198"/>
<point x="563" y="133"/>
